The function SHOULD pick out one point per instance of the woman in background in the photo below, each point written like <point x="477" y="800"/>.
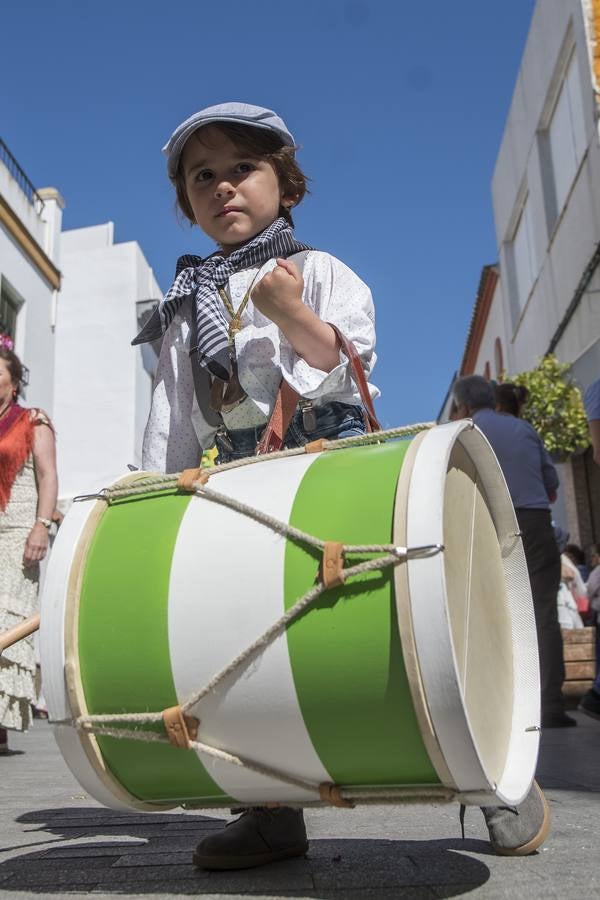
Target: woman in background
<point x="510" y="398"/>
<point x="28" y="489"/>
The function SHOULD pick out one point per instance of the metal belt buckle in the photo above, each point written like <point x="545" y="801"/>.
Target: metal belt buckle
<point x="309" y="416"/>
<point x="224" y="439"/>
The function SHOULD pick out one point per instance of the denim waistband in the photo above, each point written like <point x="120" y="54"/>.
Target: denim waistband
<point x="332" y="420"/>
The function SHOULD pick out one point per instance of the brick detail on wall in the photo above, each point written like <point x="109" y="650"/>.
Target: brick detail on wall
<point x="586" y="499"/>
<point x="568" y="484"/>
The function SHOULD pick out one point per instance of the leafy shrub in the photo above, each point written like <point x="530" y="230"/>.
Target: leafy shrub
<point x="554" y="406"/>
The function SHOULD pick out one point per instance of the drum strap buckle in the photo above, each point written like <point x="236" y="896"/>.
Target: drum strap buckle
<point x="181" y="729"/>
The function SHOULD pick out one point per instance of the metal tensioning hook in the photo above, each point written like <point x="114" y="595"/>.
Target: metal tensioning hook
<point x="425" y="550"/>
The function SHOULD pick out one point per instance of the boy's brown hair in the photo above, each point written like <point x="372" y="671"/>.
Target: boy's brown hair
<point x="262" y="144"/>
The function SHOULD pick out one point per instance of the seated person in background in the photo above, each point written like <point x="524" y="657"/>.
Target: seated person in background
<point x="590" y="702"/>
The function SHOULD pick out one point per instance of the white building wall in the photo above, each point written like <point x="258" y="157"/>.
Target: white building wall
<point x="19" y="203"/>
<point x="102" y="389"/>
<point x="147" y="289"/>
<point x="34" y="337"/>
<point x="562" y="245"/>
<point x="548" y="172"/>
<point x="494" y="329"/>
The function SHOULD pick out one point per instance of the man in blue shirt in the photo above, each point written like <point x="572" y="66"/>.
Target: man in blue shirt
<point x="532" y="482"/>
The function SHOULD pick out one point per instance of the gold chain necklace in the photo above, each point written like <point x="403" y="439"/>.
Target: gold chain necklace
<point x="236" y="316"/>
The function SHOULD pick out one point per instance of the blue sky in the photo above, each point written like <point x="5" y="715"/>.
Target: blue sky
<point x="399" y="108"/>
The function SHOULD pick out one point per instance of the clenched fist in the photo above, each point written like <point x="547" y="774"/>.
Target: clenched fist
<point x="279" y="294"/>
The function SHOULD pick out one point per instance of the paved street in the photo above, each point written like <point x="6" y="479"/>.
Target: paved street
<point x="54" y="840"/>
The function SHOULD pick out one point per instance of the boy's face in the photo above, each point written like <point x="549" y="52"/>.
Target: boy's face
<point x="234" y="196"/>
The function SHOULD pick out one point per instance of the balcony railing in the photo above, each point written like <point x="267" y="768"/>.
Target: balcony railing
<point x="20" y="177"/>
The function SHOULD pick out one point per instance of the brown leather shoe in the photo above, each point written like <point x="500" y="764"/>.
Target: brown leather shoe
<point x="258" y="837"/>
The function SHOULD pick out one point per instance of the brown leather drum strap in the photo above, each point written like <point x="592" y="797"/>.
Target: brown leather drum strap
<point x="358" y="374"/>
<point x="287" y="401"/>
<point x="283" y="412"/>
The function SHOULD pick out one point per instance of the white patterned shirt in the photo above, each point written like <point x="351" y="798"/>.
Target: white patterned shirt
<point x="177" y="431"/>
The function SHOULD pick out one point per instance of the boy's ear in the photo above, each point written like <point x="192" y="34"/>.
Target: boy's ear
<point x="289" y="201"/>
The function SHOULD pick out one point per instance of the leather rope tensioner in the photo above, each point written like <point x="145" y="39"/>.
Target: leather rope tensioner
<point x="180" y="727"/>
<point x="332" y="564"/>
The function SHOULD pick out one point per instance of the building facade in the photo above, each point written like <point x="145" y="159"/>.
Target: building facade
<point x="71" y="302"/>
<point x="30" y="279"/>
<point x="543" y="296"/>
<point x="546" y="197"/>
<point x="546" y="193"/>
<point x="102" y="384"/>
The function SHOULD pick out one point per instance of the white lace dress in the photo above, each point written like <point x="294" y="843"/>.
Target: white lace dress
<point x="18" y="601"/>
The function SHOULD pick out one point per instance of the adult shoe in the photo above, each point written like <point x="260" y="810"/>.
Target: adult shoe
<point x="261" y="835"/>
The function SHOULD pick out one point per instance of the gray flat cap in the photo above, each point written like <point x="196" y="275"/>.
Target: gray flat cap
<point x="240" y="113"/>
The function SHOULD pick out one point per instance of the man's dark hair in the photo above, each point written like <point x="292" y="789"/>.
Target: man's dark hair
<point x="474" y="392"/>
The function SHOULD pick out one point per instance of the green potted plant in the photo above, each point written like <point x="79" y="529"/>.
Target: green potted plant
<point x="554" y="407"/>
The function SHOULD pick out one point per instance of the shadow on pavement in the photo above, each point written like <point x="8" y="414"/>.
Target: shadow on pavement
<point x="119" y="853"/>
<point x="568" y="757"/>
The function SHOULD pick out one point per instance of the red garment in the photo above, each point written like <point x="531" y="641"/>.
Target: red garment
<point x="16" y="443"/>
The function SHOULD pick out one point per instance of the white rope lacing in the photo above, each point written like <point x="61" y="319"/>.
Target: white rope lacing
<point x="150" y="483"/>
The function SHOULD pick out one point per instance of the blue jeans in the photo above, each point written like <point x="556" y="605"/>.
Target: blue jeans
<point x="333" y="420"/>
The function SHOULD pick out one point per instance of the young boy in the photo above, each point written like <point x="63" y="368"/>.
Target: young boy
<point x="262" y="313"/>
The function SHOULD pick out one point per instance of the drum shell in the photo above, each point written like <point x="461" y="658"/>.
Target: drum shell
<point x="164" y="591"/>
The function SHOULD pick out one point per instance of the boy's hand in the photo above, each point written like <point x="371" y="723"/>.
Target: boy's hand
<point x="279" y="294"/>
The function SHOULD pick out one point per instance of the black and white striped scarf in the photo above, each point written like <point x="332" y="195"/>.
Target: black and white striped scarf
<point x="201" y="279"/>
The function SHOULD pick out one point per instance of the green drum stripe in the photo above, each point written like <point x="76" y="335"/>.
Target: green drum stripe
<point x="124" y="644"/>
<point x="345" y="653"/>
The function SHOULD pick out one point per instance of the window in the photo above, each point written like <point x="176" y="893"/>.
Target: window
<point x="566" y="135"/>
<point x="486" y="371"/>
<point x="9" y="309"/>
<point x="522" y="257"/>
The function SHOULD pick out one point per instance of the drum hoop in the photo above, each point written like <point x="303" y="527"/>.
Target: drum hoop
<point x="446" y="705"/>
<point x="74" y="685"/>
<point x="440" y="680"/>
<point x="405" y="622"/>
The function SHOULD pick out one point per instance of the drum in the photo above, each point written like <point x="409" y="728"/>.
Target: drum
<point x="418" y="680"/>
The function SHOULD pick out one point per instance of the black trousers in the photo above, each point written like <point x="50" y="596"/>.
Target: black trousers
<point x="543" y="563"/>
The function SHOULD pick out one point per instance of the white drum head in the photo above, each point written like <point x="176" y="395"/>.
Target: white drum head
<point x="472" y="646"/>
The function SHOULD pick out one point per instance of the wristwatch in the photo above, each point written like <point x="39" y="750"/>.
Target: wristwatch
<point x="46" y="522"/>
